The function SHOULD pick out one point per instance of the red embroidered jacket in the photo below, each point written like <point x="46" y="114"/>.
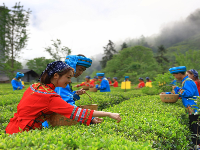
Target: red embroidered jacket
<point x="84" y="84"/>
<point x="39" y="101"/>
<point x="141" y="84"/>
<point x="115" y="84"/>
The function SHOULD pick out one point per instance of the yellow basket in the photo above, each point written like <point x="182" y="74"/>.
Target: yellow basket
<point x="169" y="98"/>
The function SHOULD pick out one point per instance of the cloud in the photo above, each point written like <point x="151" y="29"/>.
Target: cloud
<point x="86" y="26"/>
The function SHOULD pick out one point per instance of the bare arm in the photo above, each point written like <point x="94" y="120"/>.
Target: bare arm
<point x="115" y="116"/>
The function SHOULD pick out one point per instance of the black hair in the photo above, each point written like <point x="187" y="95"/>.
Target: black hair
<point x="81" y="55"/>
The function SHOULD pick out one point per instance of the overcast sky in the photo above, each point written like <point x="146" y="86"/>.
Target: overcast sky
<point x="85" y="26"/>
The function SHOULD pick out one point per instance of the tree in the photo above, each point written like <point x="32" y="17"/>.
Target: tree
<point x="57" y="51"/>
<point x="38" y="64"/>
<point x="8" y="70"/>
<point x="161" y="59"/>
<point x="109" y="51"/>
<point x="190" y="59"/>
<point x="135" y="62"/>
<point x="13" y="33"/>
<point x="124" y="45"/>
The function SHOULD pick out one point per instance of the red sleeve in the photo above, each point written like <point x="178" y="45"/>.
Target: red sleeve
<point x="115" y="84"/>
<point x="110" y="82"/>
<point x="58" y="105"/>
<point x="81" y="84"/>
<point x="92" y="83"/>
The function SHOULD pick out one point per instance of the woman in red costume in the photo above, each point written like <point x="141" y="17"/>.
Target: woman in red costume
<point x="193" y="74"/>
<point x="40" y="100"/>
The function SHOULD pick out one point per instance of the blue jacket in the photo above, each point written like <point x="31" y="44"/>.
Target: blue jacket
<point x="188" y="90"/>
<point x="17" y="85"/>
<point x="67" y="94"/>
<point x="104" y="87"/>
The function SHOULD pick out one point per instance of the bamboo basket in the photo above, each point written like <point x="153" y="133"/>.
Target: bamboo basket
<point x="93" y="89"/>
<point x="169" y="98"/>
<point x="92" y="106"/>
<point x="85" y="87"/>
<point x="60" y="120"/>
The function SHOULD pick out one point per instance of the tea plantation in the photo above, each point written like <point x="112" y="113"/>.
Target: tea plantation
<point x="147" y="123"/>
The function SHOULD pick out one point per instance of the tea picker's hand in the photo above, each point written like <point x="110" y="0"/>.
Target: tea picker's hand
<point x="80" y="92"/>
<point x="163" y="93"/>
<point x="115" y="116"/>
<point x="97" y="120"/>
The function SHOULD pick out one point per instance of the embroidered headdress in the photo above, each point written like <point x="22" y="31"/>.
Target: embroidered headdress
<point x="73" y="60"/>
<point x="100" y="74"/>
<point x="195" y="73"/>
<point x="56" y="66"/>
<point x="177" y="69"/>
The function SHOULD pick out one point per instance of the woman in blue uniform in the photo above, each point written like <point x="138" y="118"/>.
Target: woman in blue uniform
<point x="187" y="91"/>
<point x="104" y="86"/>
<point x="16" y="82"/>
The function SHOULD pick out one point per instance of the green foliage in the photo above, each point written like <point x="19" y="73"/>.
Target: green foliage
<point x="109" y="51"/>
<point x="162" y="83"/>
<point x="147" y="123"/>
<point x="108" y="99"/>
<point x="13" y="33"/>
<point x="38" y="64"/>
<point x="124" y="45"/>
<point x="8" y="70"/>
<point x="57" y="52"/>
<point x="135" y="62"/>
<point x="190" y="59"/>
<point x="161" y="58"/>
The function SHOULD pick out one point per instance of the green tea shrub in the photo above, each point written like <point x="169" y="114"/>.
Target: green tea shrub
<point x="147" y="123"/>
<point x="161" y="84"/>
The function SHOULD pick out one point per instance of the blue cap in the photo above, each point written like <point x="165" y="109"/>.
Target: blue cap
<point x="19" y="75"/>
<point x="95" y="77"/>
<point x="126" y="77"/>
<point x="147" y="78"/>
<point x="100" y="74"/>
<point x="87" y="77"/>
<point x="177" y="69"/>
<point x="108" y="77"/>
<point x="115" y="78"/>
<point x="140" y="78"/>
<point x="194" y="72"/>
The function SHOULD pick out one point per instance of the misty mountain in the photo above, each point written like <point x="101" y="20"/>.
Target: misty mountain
<point x="179" y="31"/>
<point x="172" y="34"/>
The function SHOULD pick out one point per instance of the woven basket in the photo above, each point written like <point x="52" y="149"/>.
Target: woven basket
<point x="92" y="106"/>
<point x="60" y="120"/>
<point x="93" y="89"/>
<point x="169" y="98"/>
<point x="85" y="87"/>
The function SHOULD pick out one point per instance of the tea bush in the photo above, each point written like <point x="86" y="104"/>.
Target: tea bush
<point x="147" y="123"/>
